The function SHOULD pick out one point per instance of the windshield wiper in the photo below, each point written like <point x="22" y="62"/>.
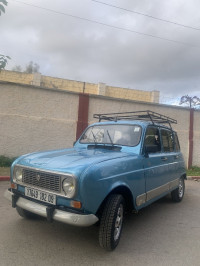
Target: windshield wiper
<point x="95" y="140"/>
<point x="110" y="138"/>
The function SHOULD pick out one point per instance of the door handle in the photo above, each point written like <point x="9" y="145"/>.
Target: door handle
<point x="164" y="158"/>
<point x="176" y="156"/>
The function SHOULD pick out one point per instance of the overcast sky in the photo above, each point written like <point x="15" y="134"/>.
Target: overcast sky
<point x="76" y="49"/>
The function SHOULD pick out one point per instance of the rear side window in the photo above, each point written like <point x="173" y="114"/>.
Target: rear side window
<point x="177" y="145"/>
<point x="152" y="138"/>
<point x="167" y="140"/>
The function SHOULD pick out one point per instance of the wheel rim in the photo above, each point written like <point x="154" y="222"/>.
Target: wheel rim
<point x="118" y="222"/>
<point x="180" y="188"/>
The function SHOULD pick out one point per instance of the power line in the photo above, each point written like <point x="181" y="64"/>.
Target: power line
<point x="146" y="15"/>
<point x="107" y="25"/>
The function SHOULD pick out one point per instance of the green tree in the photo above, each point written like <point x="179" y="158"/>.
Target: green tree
<point x="3" y="58"/>
<point x="2" y="4"/>
<point x="3" y="61"/>
<point x="32" y="68"/>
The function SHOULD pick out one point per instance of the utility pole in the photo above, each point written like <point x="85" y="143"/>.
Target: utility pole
<point x="192" y="101"/>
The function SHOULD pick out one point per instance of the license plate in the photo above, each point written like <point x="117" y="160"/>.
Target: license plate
<point x="40" y="195"/>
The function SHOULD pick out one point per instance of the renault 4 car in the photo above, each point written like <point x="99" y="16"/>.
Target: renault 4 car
<point x="122" y="163"/>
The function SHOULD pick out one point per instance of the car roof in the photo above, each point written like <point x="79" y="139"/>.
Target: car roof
<point x="143" y="124"/>
<point x="142" y="118"/>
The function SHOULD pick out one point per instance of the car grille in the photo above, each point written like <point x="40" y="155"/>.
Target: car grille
<point x="49" y="181"/>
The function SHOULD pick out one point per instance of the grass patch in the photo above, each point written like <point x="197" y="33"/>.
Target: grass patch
<point x="193" y="171"/>
<point x="6" y="161"/>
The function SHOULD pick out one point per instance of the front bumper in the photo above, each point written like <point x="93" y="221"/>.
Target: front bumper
<point x="57" y="215"/>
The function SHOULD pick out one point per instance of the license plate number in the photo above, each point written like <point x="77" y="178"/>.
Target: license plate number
<point x="40" y="195"/>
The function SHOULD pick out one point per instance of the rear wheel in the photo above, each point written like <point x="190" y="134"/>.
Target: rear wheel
<point x="111" y="222"/>
<point x="178" y="193"/>
<point x="26" y="214"/>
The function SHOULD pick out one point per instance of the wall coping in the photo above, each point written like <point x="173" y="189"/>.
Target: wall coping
<point x="97" y="96"/>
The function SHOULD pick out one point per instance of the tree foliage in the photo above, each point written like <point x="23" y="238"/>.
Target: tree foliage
<point x="2" y="4"/>
<point x="192" y="101"/>
<point x="3" y="61"/>
<point x="3" y="58"/>
<point x="32" y="68"/>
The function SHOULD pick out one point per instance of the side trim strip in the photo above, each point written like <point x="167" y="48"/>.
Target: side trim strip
<point x="143" y="198"/>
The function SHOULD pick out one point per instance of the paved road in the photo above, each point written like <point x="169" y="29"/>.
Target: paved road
<point x="164" y="233"/>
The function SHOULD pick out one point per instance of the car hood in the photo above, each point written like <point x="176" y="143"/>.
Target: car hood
<point x="72" y="161"/>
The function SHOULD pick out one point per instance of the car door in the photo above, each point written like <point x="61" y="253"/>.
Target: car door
<point x="155" y="164"/>
<point x="169" y="153"/>
<point x="177" y="161"/>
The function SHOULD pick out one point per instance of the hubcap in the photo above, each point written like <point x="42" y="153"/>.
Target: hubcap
<point x="180" y="188"/>
<point x="118" y="222"/>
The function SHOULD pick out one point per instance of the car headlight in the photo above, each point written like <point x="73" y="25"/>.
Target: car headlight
<point x="69" y="186"/>
<point x="17" y="175"/>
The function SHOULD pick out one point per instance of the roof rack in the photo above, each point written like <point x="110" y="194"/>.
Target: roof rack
<point x="137" y="115"/>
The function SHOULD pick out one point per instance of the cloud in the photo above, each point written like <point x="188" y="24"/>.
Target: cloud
<point x="71" y="48"/>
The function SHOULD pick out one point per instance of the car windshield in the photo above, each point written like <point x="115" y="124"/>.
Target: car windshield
<point x="115" y="134"/>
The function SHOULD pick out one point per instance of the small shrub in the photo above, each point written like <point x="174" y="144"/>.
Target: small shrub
<point x="193" y="171"/>
<point x="6" y="161"/>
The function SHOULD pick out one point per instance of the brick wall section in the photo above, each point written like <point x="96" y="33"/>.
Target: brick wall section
<point x="79" y="87"/>
<point x="137" y="95"/>
<point x="57" y="83"/>
<point x="34" y="118"/>
<point x="16" y="77"/>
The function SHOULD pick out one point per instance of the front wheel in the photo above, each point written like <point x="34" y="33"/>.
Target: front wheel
<point x="178" y="193"/>
<point x="111" y="222"/>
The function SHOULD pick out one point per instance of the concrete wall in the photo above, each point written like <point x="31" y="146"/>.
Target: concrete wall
<point x="34" y="118"/>
<point x="196" y="142"/>
<point x="16" y="77"/>
<point x="76" y="86"/>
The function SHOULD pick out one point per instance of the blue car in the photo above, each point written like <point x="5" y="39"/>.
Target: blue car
<point x="122" y="163"/>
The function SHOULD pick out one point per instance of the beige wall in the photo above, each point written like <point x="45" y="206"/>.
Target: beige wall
<point x="77" y="86"/>
<point x="34" y="118"/>
<point x="137" y="95"/>
<point x="196" y="149"/>
<point x="16" y="77"/>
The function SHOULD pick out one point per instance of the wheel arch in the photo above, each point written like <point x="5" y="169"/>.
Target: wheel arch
<point x="184" y="176"/>
<point x="127" y="195"/>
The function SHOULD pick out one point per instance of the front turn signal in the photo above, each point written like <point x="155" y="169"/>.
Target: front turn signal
<point x="76" y="204"/>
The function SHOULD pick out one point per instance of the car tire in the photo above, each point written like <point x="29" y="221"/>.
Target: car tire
<point x="111" y="222"/>
<point x="178" y="193"/>
<point x="26" y="214"/>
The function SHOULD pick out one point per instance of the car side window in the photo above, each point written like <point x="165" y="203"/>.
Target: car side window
<point x="167" y="140"/>
<point x="177" y="145"/>
<point x="152" y="139"/>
